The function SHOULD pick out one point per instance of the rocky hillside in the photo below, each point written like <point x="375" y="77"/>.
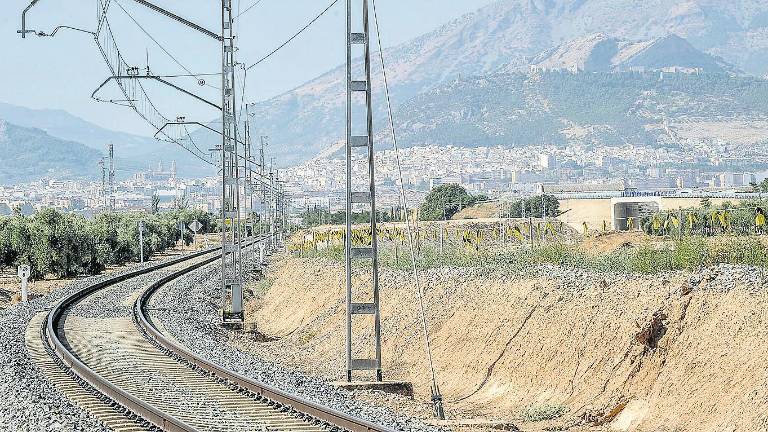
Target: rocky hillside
<point x="506" y="36"/>
<point x="602" y="53"/>
<point x="562" y="108"/>
<point x="29" y="154"/>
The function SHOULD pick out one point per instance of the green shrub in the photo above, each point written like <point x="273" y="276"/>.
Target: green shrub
<point x="690" y="253"/>
<point x="66" y="245"/>
<point x="562" y="255"/>
<point x="542" y="412"/>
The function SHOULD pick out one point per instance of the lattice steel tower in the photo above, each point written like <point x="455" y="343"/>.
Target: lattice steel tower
<point x="360" y="153"/>
<point x="231" y="270"/>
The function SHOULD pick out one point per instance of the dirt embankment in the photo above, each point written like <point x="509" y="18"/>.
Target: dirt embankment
<point x="674" y="353"/>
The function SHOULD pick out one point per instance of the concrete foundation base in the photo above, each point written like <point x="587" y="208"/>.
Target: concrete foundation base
<point x="402" y="388"/>
<point x="475" y="424"/>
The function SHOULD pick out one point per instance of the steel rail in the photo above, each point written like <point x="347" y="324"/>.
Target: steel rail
<point x="149" y="412"/>
<point x="315" y="410"/>
<point x="99" y="383"/>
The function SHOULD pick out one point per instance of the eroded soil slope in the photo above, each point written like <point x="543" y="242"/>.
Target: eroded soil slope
<point x="679" y="352"/>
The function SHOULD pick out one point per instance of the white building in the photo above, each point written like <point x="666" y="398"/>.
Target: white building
<point x="547" y="161"/>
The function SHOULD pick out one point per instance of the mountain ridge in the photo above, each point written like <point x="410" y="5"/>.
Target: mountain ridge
<point x="505" y="36"/>
<point x="562" y="108"/>
<point x="135" y="152"/>
<point x="603" y="53"/>
<point x="31" y="154"/>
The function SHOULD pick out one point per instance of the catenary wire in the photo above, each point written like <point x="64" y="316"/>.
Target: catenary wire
<point x="303" y="29"/>
<point x="104" y="19"/>
<point x="253" y="5"/>
<point x="168" y="53"/>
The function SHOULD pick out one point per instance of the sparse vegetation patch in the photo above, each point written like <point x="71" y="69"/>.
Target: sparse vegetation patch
<point x="542" y="412"/>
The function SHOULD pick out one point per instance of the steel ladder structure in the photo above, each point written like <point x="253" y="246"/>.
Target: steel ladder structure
<point x="231" y="260"/>
<point x="360" y="150"/>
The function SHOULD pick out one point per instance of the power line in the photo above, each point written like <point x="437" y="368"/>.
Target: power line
<point x="160" y="45"/>
<point x="145" y="108"/>
<point x="294" y="36"/>
<point x="256" y="3"/>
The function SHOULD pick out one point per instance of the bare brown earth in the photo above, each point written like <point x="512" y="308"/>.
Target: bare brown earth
<point x="609" y="242"/>
<point x="479" y="211"/>
<point x="625" y="353"/>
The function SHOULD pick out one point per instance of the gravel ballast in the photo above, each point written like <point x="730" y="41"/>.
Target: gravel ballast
<point x="29" y="402"/>
<point x="188" y="308"/>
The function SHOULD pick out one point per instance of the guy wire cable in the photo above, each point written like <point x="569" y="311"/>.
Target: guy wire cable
<point x="436" y="396"/>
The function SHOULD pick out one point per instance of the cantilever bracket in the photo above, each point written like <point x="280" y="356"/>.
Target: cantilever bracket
<point x="62" y="27"/>
<point x="24" y="30"/>
<point x="156" y="78"/>
<point x="175" y="17"/>
<point x="183" y="123"/>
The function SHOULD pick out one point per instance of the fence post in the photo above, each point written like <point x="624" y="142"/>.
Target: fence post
<point x="24" y="272"/>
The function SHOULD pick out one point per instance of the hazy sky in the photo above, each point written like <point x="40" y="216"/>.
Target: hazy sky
<point x="63" y="71"/>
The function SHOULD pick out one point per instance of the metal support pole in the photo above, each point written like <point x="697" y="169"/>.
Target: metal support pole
<point x="141" y="242"/>
<point x="248" y="186"/>
<point x="111" y="153"/>
<point x="544" y="216"/>
<point x="231" y="238"/>
<point x="272" y="196"/>
<point x="360" y="149"/>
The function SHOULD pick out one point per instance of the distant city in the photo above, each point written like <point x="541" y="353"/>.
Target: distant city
<point x="513" y="173"/>
<point x="497" y="172"/>
<point x="135" y="193"/>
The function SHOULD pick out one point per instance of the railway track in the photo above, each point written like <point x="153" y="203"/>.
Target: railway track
<point x="101" y="348"/>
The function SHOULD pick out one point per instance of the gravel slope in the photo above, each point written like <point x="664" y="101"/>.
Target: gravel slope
<point x="188" y="309"/>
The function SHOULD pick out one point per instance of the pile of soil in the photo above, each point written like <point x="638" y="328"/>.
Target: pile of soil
<point x="479" y="211"/>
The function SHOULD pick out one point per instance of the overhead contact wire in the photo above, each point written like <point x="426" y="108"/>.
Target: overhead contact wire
<point x="247" y="9"/>
<point x="303" y="29"/>
<point x="168" y="53"/>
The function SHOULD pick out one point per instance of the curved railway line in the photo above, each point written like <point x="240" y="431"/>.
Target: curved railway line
<point x="102" y="349"/>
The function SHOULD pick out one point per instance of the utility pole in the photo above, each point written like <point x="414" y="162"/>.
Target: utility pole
<point x="111" y="153"/>
<point x="544" y="216"/>
<point x="137" y="99"/>
<point x="248" y="187"/>
<point x="263" y="219"/>
<point x="361" y="148"/>
<point x="141" y="242"/>
<point x="103" y="182"/>
<point x="281" y="215"/>
<point x="231" y="236"/>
